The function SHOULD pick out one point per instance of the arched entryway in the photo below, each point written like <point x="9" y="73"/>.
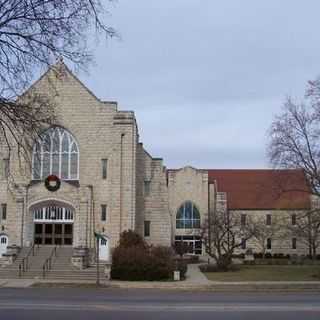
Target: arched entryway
<point x="53" y="223"/>
<point x="104" y="249"/>
<point x="3" y="244"/>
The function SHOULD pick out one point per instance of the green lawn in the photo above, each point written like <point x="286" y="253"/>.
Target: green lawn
<point x="268" y="273"/>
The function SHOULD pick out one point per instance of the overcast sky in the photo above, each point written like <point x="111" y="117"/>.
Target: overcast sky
<point x="206" y="77"/>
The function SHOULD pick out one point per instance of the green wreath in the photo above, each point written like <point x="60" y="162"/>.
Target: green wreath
<point x="49" y="180"/>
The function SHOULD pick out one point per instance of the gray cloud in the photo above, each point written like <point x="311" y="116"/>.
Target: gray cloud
<point x="206" y="77"/>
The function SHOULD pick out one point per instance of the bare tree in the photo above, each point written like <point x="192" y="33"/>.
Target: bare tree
<point x="222" y="233"/>
<point x="263" y="232"/>
<point x="295" y="143"/>
<point x="33" y="35"/>
<point x="306" y="230"/>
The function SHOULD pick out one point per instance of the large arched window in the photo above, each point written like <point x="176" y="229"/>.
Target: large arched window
<point x="188" y="216"/>
<point x="56" y="152"/>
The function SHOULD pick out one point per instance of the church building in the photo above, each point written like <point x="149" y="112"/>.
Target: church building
<point x="109" y="183"/>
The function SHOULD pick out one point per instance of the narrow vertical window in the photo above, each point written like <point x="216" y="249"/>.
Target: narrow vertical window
<point x="294" y="243"/>
<point x="243" y="244"/>
<point x="104" y="163"/>
<point x="269" y="243"/>
<point x="294" y="219"/>
<point x="243" y="219"/>
<point x="4" y="211"/>
<point x="5" y="168"/>
<point x="147" y="228"/>
<point x="147" y="188"/>
<point x="103" y="212"/>
<point x="268" y="219"/>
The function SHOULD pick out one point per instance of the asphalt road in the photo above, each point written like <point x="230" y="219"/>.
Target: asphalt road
<point x="73" y="303"/>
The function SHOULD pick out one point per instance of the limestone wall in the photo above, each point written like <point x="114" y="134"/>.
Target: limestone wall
<point x="152" y="200"/>
<point x="187" y="184"/>
<point x="102" y="132"/>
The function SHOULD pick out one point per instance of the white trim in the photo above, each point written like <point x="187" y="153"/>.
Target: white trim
<point x="54" y="200"/>
<point x="62" y="214"/>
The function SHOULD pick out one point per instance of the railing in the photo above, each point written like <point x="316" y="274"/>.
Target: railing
<point x="24" y="265"/>
<point x="48" y="262"/>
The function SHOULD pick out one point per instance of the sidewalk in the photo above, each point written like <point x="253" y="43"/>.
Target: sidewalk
<point x="195" y="280"/>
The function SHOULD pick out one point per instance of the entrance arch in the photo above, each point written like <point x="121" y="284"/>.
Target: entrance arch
<point x="53" y="223"/>
<point x="104" y="249"/>
<point x="3" y="244"/>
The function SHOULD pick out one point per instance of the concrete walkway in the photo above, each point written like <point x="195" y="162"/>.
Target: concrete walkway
<point x="195" y="276"/>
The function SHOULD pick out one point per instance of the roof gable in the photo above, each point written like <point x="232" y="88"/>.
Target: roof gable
<point x="57" y="73"/>
<point x="263" y="189"/>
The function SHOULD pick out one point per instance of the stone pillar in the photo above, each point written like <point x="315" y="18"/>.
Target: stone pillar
<point x="20" y="221"/>
<point x="81" y="225"/>
<point x="28" y="227"/>
<point x="80" y="257"/>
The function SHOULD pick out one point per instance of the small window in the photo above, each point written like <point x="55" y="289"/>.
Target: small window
<point x="268" y="219"/>
<point x="147" y="188"/>
<point x="269" y="243"/>
<point x="243" y="219"/>
<point x="294" y="219"/>
<point x="104" y="163"/>
<point x="294" y="243"/>
<point x="5" y="168"/>
<point x="147" y="228"/>
<point x="103" y="212"/>
<point x="4" y="211"/>
<point x="243" y="244"/>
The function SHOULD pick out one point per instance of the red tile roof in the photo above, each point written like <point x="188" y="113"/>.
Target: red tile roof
<point x="262" y="189"/>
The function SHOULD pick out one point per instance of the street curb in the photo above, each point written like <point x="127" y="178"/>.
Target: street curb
<point x="216" y="287"/>
<point x="213" y="286"/>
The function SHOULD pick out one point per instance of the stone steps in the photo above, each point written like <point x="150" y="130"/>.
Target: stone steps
<point x="61" y="266"/>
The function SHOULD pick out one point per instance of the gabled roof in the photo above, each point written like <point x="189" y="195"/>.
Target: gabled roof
<point x="61" y="67"/>
<point x="262" y="189"/>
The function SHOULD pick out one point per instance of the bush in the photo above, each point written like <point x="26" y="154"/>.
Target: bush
<point x="182" y="266"/>
<point x="214" y="268"/>
<point x="208" y="268"/>
<point x="279" y="256"/>
<point x="258" y="255"/>
<point x="268" y="255"/>
<point x="130" y="238"/>
<point x="134" y="260"/>
<point x="238" y="256"/>
<point x="181" y="248"/>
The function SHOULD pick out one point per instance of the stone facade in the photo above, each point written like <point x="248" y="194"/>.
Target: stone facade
<point x="138" y="192"/>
